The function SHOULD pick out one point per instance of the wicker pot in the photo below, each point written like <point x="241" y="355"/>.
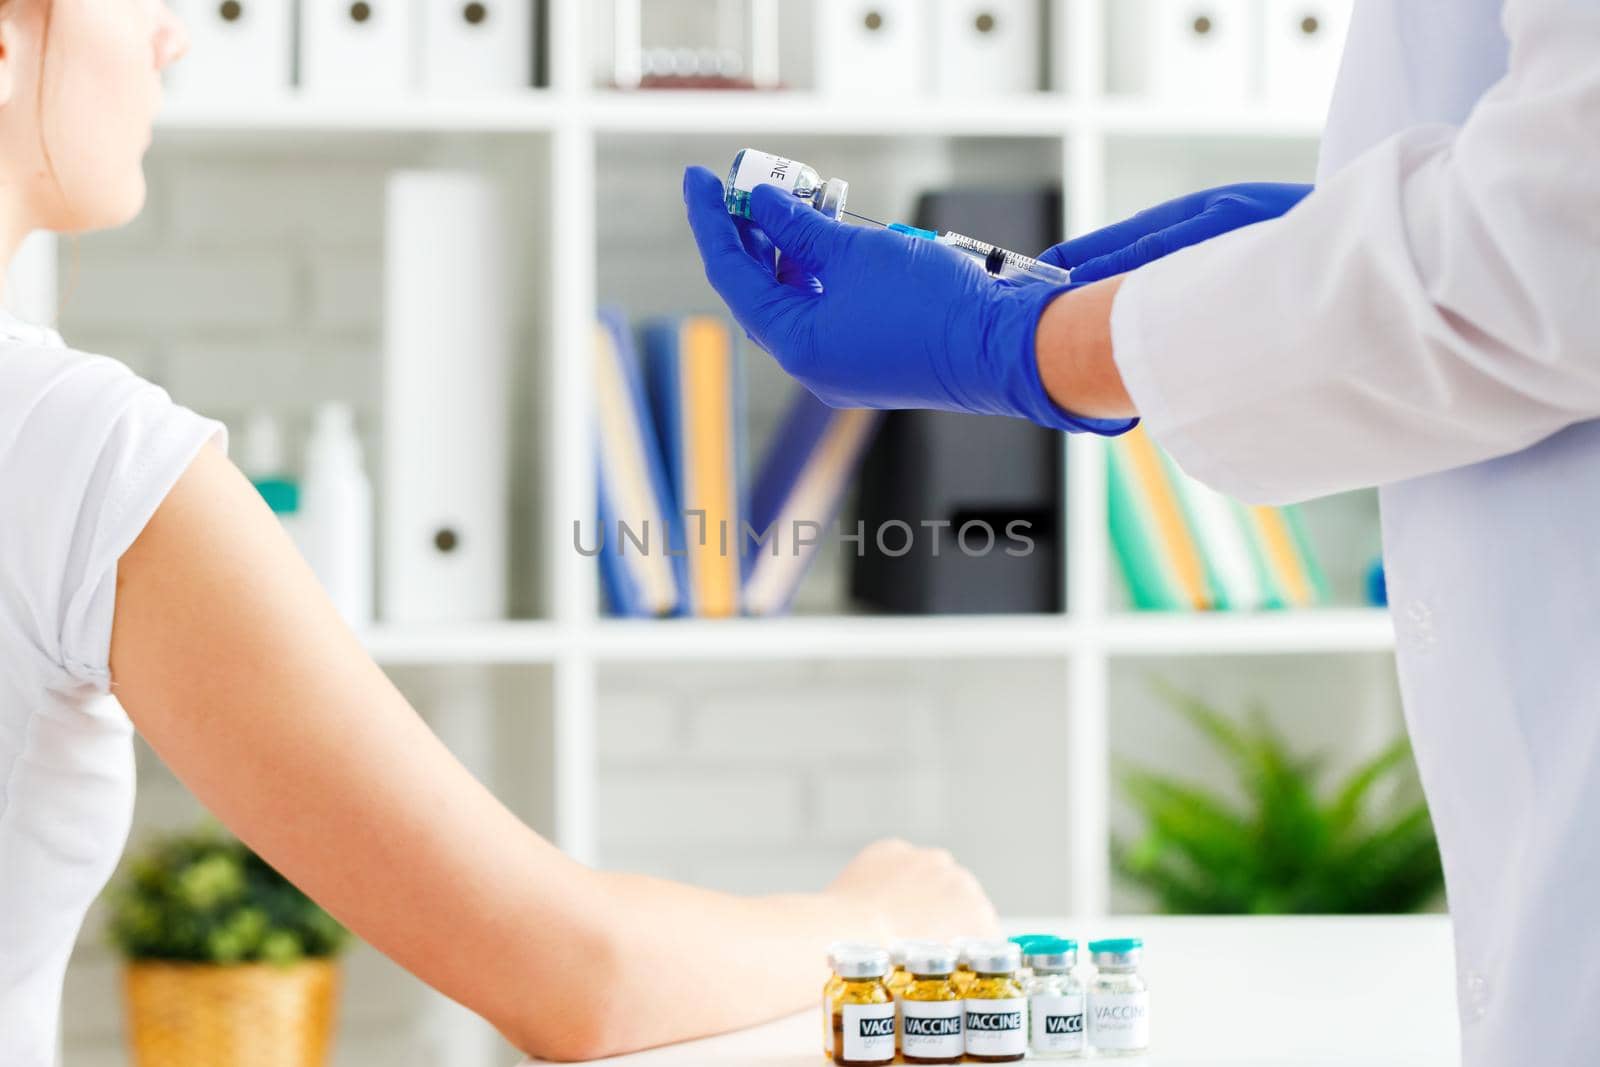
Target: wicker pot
<point x="256" y="1015"/>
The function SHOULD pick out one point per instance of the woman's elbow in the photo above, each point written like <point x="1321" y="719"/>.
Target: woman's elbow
<point x="585" y="1020"/>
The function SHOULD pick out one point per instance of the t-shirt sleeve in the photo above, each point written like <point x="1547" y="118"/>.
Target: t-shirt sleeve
<point x="88" y="451"/>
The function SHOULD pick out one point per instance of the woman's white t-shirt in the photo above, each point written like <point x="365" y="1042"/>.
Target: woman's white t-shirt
<point x="87" y="453"/>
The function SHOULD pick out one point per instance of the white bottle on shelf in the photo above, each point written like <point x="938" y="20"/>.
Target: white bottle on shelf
<point x="336" y="514"/>
<point x="261" y="458"/>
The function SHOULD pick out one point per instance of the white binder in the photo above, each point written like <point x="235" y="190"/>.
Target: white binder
<point x="1303" y="43"/>
<point x="356" y="47"/>
<point x="472" y="46"/>
<point x="988" y="47"/>
<point x="446" y="353"/>
<point x="873" y="47"/>
<point x="1201" y="51"/>
<point x="241" y="49"/>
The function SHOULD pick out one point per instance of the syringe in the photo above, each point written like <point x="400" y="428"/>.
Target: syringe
<point x="999" y="262"/>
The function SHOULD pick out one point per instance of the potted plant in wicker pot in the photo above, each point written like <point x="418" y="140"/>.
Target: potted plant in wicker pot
<point x="228" y="964"/>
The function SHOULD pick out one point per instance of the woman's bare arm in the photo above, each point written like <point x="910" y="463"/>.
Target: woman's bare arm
<point x="235" y="667"/>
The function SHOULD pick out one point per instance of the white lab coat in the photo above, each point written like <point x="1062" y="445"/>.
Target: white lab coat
<point x="1429" y="321"/>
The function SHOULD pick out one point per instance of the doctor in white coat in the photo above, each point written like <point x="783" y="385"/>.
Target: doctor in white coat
<point x="1427" y="320"/>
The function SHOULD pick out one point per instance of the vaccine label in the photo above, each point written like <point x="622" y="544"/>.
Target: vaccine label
<point x="1119" y="1021"/>
<point x="1057" y="1022"/>
<point x="931" y="1029"/>
<point x="761" y="168"/>
<point x="869" y="1033"/>
<point x="994" y="1027"/>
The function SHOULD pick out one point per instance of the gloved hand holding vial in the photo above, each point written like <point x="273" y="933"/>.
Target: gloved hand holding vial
<point x="870" y="317"/>
<point x="752" y="168"/>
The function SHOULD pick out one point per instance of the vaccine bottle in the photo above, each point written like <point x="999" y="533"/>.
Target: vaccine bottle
<point x="962" y="978"/>
<point x="833" y="985"/>
<point x="898" y="979"/>
<point x="930" y="1007"/>
<point x="996" y="1013"/>
<point x="1022" y="941"/>
<point x="752" y="167"/>
<point x="1119" y="999"/>
<point x="862" y="1011"/>
<point x="1055" y="999"/>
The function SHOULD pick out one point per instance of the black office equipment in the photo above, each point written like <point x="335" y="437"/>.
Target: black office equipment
<point x="933" y="474"/>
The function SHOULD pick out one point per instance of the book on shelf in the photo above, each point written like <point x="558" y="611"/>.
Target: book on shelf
<point x="677" y="534"/>
<point x="694" y="383"/>
<point x="635" y="501"/>
<point x="1182" y="546"/>
<point x="797" y="493"/>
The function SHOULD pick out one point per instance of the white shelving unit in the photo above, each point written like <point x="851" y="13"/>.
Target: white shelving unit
<point x="574" y="119"/>
<point x="563" y="660"/>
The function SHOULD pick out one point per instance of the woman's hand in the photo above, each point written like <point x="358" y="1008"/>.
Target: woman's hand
<point x="871" y="318"/>
<point x="910" y="892"/>
<point x="1164" y="229"/>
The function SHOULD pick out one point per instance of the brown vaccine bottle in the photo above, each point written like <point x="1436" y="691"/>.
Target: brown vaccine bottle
<point x="930" y="1007"/>
<point x="862" y="1014"/>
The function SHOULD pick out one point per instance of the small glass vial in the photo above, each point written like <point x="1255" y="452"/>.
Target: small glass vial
<point x="1022" y="941"/>
<point x="963" y="976"/>
<point x="833" y="985"/>
<point x="752" y="167"/>
<point x="930" y="1007"/>
<point x="1055" y="999"/>
<point x="1119" y="999"/>
<point x="862" y="1012"/>
<point x="996" y="1009"/>
<point x="898" y="979"/>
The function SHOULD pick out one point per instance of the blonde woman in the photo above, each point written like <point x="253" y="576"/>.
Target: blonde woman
<point x="144" y="586"/>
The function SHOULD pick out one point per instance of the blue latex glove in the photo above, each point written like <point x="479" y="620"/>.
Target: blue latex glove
<point x="874" y="319"/>
<point x="1162" y="230"/>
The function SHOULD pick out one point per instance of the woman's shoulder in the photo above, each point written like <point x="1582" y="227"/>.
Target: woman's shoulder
<point x="49" y="390"/>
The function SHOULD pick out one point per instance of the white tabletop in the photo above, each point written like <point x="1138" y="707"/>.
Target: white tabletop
<point x="1245" y="992"/>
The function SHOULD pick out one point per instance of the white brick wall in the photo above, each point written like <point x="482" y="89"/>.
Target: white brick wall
<point x="765" y="777"/>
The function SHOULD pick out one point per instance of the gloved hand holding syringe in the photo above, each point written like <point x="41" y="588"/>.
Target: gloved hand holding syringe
<point x="752" y="168"/>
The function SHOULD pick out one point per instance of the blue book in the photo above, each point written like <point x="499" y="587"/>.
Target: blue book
<point x="694" y="383"/>
<point x="638" y="575"/>
<point x="797" y="495"/>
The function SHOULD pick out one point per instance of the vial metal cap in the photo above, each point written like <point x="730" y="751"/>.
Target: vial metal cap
<point x="897" y="953"/>
<point x="994" y="957"/>
<point x="845" y="948"/>
<point x="832" y="196"/>
<point x="931" y="957"/>
<point x="871" y="963"/>
<point x="1051" y="955"/>
<point x="1117" y="952"/>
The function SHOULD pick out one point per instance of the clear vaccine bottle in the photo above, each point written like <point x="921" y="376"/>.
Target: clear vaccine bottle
<point x="752" y="167"/>
<point x="862" y="1014"/>
<point x="1119" y="999"/>
<point x="930" y="1007"/>
<point x="996" y="1010"/>
<point x="1055" y="999"/>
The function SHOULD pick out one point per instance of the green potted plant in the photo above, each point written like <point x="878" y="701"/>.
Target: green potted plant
<point x="1292" y="846"/>
<point x="229" y="965"/>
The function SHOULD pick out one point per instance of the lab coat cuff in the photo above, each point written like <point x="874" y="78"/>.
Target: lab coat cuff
<point x="1139" y="359"/>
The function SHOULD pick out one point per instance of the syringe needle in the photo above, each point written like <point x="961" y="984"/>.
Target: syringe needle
<point x="863" y="218"/>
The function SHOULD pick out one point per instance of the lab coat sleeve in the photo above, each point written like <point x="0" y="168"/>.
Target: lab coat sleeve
<point x="1434" y="304"/>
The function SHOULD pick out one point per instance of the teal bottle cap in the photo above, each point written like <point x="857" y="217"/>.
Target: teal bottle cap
<point x="281" y="495"/>
<point x="1117" y="945"/>
<point x="1049" y="946"/>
